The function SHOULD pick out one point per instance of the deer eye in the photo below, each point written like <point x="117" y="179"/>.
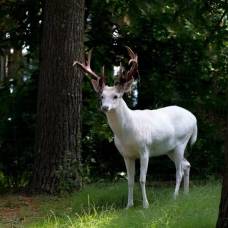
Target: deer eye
<point x="115" y="97"/>
<point x="102" y="97"/>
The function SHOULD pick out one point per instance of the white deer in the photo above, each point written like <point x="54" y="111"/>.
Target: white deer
<point x="144" y="133"/>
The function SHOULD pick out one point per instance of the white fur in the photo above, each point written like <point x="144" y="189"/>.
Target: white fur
<point x="144" y="133"/>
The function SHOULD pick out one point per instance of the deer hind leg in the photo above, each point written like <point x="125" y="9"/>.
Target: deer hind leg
<point x="186" y="167"/>
<point x="177" y="156"/>
<point x="130" y="166"/>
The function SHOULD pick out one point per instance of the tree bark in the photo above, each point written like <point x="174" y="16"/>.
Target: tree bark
<point x="222" y="221"/>
<point x="57" y="160"/>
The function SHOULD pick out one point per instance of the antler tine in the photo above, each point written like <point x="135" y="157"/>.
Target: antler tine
<point x="86" y="67"/>
<point x="89" y="57"/>
<point x="103" y="71"/>
<point x="130" y="52"/>
<point x="121" y="69"/>
<point x="134" y="61"/>
<point x="98" y="82"/>
<point x="121" y="76"/>
<point x="102" y="78"/>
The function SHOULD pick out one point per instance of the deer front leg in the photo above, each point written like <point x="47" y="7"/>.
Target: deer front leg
<point x="130" y="166"/>
<point x="144" y="159"/>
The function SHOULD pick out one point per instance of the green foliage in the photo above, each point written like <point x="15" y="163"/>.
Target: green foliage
<point x="17" y="128"/>
<point x="182" y="48"/>
<point x="20" y="25"/>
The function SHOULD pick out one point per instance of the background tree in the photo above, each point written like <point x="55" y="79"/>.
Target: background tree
<point x="222" y="221"/>
<point x="59" y="98"/>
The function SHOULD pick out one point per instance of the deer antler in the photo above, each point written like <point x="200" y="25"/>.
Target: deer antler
<point x="86" y="67"/>
<point x="132" y="73"/>
<point x="97" y="81"/>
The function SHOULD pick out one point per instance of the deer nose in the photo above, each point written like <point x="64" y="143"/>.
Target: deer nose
<point x="105" y="108"/>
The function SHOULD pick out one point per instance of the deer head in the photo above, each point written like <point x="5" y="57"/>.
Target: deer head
<point x="111" y="95"/>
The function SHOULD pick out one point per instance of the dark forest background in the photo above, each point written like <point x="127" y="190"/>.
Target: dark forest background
<point x="183" y="60"/>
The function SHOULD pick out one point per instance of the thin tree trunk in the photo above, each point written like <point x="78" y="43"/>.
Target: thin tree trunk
<point x="223" y="208"/>
<point x="57" y="162"/>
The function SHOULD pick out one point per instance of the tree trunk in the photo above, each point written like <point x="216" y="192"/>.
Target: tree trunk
<point x="223" y="208"/>
<point x="57" y="162"/>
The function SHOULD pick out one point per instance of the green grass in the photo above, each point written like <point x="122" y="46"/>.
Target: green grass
<point x="102" y="205"/>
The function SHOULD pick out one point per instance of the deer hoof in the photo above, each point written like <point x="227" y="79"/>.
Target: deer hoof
<point x="129" y="205"/>
<point x="146" y="205"/>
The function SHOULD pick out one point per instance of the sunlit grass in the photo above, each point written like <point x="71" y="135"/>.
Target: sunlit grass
<point x="103" y="205"/>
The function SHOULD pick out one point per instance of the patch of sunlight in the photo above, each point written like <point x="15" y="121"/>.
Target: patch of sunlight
<point x="98" y="220"/>
<point x="91" y="218"/>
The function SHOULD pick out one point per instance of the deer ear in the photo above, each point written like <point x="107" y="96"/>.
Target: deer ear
<point x="126" y="87"/>
<point x="96" y="86"/>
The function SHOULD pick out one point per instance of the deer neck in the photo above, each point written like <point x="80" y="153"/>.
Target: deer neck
<point x="120" y="119"/>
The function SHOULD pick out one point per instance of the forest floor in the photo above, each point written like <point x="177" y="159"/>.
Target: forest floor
<point x="102" y="205"/>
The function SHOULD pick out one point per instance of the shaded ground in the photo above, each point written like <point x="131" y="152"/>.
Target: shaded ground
<point x="18" y="209"/>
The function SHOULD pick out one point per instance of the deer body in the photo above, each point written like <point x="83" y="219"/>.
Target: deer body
<point x="140" y="134"/>
<point x="160" y="130"/>
<point x="148" y="133"/>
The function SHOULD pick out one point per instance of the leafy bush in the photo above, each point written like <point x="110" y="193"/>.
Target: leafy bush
<point x="17" y="129"/>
